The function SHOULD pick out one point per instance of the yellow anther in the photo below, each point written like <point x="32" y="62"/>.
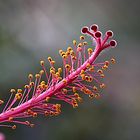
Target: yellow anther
<point x="105" y="67"/>
<point x="106" y="63"/>
<point x="58" y="107"/>
<point x="34" y="114"/>
<point x="82" y="37"/>
<point x="19" y="90"/>
<point x="72" y="52"/>
<point x="41" y="72"/>
<point x="46" y="113"/>
<point x="52" y="71"/>
<point x="74" y="58"/>
<point x="1" y="102"/>
<point x="10" y="119"/>
<point x="47" y="99"/>
<point x="102" y="85"/>
<point x="83" y="89"/>
<point x="80" y="45"/>
<point x="26" y="86"/>
<point x="32" y="125"/>
<point x="74" y="89"/>
<point x="64" y="56"/>
<point x="90" y="50"/>
<point x="54" y="106"/>
<point x="46" y="86"/>
<point x="27" y="122"/>
<point x="85" y="43"/>
<point x="102" y="75"/>
<point x="31" y="84"/>
<point x="67" y="66"/>
<point x="30" y="76"/>
<point x="57" y="74"/>
<point x="82" y="72"/>
<point x="14" y="127"/>
<point x="113" y="61"/>
<point x="29" y="111"/>
<point x="56" y="113"/>
<point x="76" y="95"/>
<point x="37" y="76"/>
<point x="49" y="59"/>
<point x="91" y="69"/>
<point x="52" y="68"/>
<point x="42" y="63"/>
<point x="18" y="96"/>
<point x="69" y="49"/>
<point x="67" y="53"/>
<point x="52" y="113"/>
<point x="79" y="99"/>
<point x="86" y="78"/>
<point x="60" y="52"/>
<point x="65" y="91"/>
<point x="95" y="88"/>
<point x="90" y="79"/>
<point x="64" y="81"/>
<point x="87" y="91"/>
<point x="45" y="105"/>
<point x="92" y="95"/>
<point x="39" y="86"/>
<point x="74" y="42"/>
<point x="74" y="104"/>
<point x="88" y="65"/>
<point x="83" y="76"/>
<point x="59" y="70"/>
<point x="97" y="95"/>
<point x="12" y="90"/>
<point x="63" y="53"/>
<point x="42" y="82"/>
<point x="100" y="71"/>
<point x="59" y="78"/>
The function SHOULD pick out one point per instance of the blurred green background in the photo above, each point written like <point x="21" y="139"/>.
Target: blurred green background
<point x="31" y="30"/>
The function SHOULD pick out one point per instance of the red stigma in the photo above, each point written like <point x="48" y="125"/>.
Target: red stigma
<point x="84" y="30"/>
<point x="98" y="34"/>
<point x="113" y="43"/>
<point x="109" y="33"/>
<point x="94" y="27"/>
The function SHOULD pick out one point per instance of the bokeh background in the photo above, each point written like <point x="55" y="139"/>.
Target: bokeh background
<point x="31" y="30"/>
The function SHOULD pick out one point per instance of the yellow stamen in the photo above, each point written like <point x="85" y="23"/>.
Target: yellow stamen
<point x="14" y="127"/>
<point x="42" y="63"/>
<point x="12" y="90"/>
<point x="113" y="61"/>
<point x="30" y="76"/>
<point x="82" y="37"/>
<point x="74" y="42"/>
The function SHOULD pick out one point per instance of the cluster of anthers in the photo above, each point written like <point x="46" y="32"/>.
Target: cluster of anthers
<point x="80" y="73"/>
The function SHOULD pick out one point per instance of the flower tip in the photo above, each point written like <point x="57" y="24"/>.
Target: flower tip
<point x="113" y="43"/>
<point x="84" y="30"/>
<point x="98" y="34"/>
<point x="109" y="33"/>
<point x="94" y="27"/>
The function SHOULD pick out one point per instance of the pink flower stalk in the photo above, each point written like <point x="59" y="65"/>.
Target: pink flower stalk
<point x="77" y="75"/>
